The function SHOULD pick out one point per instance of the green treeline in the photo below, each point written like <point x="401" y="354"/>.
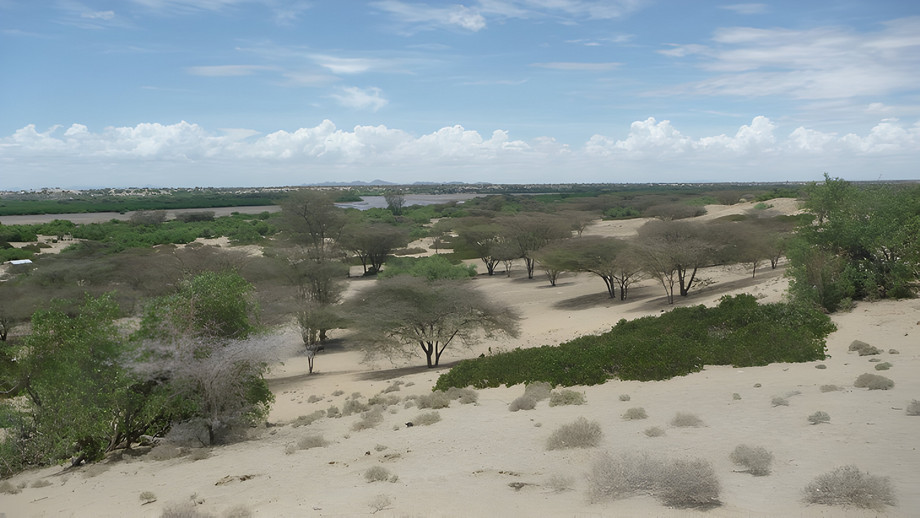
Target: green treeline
<point x="738" y="332"/>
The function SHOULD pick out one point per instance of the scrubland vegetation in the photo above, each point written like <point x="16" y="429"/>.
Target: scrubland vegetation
<point x="204" y="320"/>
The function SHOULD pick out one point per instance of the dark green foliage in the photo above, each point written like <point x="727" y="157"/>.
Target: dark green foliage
<point x="738" y="332"/>
<point x="431" y="268"/>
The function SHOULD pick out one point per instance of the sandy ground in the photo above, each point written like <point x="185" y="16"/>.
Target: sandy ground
<point x="483" y="460"/>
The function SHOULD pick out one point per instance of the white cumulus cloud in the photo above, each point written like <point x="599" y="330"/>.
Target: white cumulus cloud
<point x="361" y="98"/>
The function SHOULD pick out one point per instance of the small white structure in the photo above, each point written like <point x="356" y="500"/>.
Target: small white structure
<point x="21" y="261"/>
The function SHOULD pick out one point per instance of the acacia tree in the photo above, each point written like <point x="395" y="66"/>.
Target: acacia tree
<point x="406" y="313"/>
<point x="554" y="259"/>
<point x="674" y="251"/>
<point x="530" y="232"/>
<point x="611" y="259"/>
<point x="312" y="218"/>
<point x="373" y="242"/>
<point x="395" y="201"/>
<point x="484" y="236"/>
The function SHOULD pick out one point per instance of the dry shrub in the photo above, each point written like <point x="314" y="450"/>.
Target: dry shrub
<point x="338" y="393"/>
<point x="199" y="454"/>
<point x="560" y="483"/>
<point x="306" y="420"/>
<point x="465" y="396"/>
<point x="678" y="482"/>
<point x="579" y="434"/>
<point x="333" y="412"/>
<point x="165" y="451"/>
<point x="883" y="366"/>
<point x="353" y="406"/>
<point x="379" y="503"/>
<point x="819" y="417"/>
<point x="635" y="413"/>
<point x="311" y="441"/>
<point x="654" y="431"/>
<point x="736" y="396"/>
<point x="863" y="348"/>
<point x="95" y="469"/>
<point x="393" y="387"/>
<point x="756" y="459"/>
<point x="873" y="382"/>
<point x="829" y="388"/>
<point x="779" y="401"/>
<point x="183" y="510"/>
<point x="8" y="488"/>
<point x="682" y="420"/>
<point x="427" y="418"/>
<point x="147" y="497"/>
<point x="539" y="390"/>
<point x="523" y="403"/>
<point x="41" y="483"/>
<point x="369" y="419"/>
<point x="434" y="401"/>
<point x="820" y="366"/>
<point x="378" y="474"/>
<point x="848" y="486"/>
<point x="238" y="511"/>
<point x="913" y="408"/>
<point x="384" y="400"/>
<point x="624" y="397"/>
<point x="314" y="399"/>
<point x="566" y="397"/>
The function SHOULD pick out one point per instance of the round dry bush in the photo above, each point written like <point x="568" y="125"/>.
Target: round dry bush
<point x="873" y="382"/>
<point x="539" y="390"/>
<point x="377" y="474"/>
<point x="311" y="441"/>
<point x="848" y="486"/>
<point x="819" y="417"/>
<point x="779" y="401"/>
<point x="369" y="419"/>
<point x="338" y="393"/>
<point x="683" y="420"/>
<point x="863" y="348"/>
<point x="41" y="483"/>
<point x="579" y="434"/>
<point x="434" y="401"/>
<point x="523" y="403"/>
<point x="183" y="510"/>
<point x="314" y="399"/>
<point x="688" y="483"/>
<point x="736" y="396"/>
<point x="466" y="396"/>
<point x="829" y="388"/>
<point x="893" y="351"/>
<point x="654" y="431"/>
<point x="306" y="420"/>
<point x="147" y="497"/>
<point x="393" y="387"/>
<point x="913" y="408"/>
<point x="333" y="412"/>
<point x="384" y="400"/>
<point x="566" y="397"/>
<point x="756" y="459"/>
<point x="7" y="487"/>
<point x="635" y="413"/>
<point x="624" y="397"/>
<point x="353" y="406"/>
<point x="884" y="366"/>
<point x="425" y="419"/>
<point x="613" y="478"/>
<point x="820" y="366"/>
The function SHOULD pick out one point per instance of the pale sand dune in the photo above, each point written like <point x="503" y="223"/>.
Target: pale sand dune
<point x="463" y="465"/>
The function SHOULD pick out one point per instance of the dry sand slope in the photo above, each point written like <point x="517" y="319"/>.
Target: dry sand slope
<point x="483" y="460"/>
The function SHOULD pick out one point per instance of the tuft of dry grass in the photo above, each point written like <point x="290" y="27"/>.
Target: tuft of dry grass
<point x="147" y="497"/>
<point x="756" y="459"/>
<point x="466" y="396"/>
<point x="8" y="488"/>
<point x="306" y="420"/>
<point x="311" y="441"/>
<point x="369" y="419"/>
<point x="426" y="419"/>
<point x="539" y="390"/>
<point x="684" y="420"/>
<point x="873" y="382"/>
<point x="819" y="417"/>
<point x="434" y="401"/>
<point x="779" y="401"/>
<point x="42" y="482"/>
<point x="566" y="397"/>
<point x="183" y="510"/>
<point x="884" y="366"/>
<point x="913" y="408"/>
<point x="624" y="397"/>
<point x="863" y="348"/>
<point x="830" y="388"/>
<point x="524" y="402"/>
<point x="635" y="413"/>
<point x="654" y="431"/>
<point x="848" y="486"/>
<point x="676" y="482"/>
<point x="378" y="474"/>
<point x="579" y="434"/>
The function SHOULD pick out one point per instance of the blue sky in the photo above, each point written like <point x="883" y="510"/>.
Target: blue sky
<point x="288" y="92"/>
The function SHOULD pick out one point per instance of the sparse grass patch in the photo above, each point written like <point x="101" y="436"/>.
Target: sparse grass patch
<point x="427" y="418"/>
<point x="522" y="403"/>
<point x="369" y="419"/>
<point x="579" y="434"/>
<point x="95" y="469"/>
<point x="466" y="396"/>
<point x="893" y="351"/>
<point x="830" y="388"/>
<point x="688" y="483"/>
<point x="378" y="474"/>
<point x="884" y="366"/>
<point x="311" y="441"/>
<point x="635" y="413"/>
<point x="819" y="417"/>
<point x="683" y="420"/>
<point x="434" y="401"/>
<point x="756" y="459"/>
<point x="873" y="382"/>
<point x="863" y="348"/>
<point x="306" y="420"/>
<point x="566" y="397"/>
<point x="848" y="486"/>
<point x="913" y="408"/>
<point x="380" y="447"/>
<point x="654" y="431"/>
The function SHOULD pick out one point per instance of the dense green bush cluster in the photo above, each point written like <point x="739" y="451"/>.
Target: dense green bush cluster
<point x="738" y="332"/>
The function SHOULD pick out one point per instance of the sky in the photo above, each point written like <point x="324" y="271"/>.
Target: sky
<point x="235" y="93"/>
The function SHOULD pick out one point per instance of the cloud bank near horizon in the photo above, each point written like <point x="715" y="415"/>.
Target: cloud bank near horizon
<point x="186" y="154"/>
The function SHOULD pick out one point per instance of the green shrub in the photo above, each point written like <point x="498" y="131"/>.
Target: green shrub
<point x="756" y="459"/>
<point x="579" y="434"/>
<point x="738" y="332"/>
<point x="848" y="486"/>
<point x="873" y="382"/>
